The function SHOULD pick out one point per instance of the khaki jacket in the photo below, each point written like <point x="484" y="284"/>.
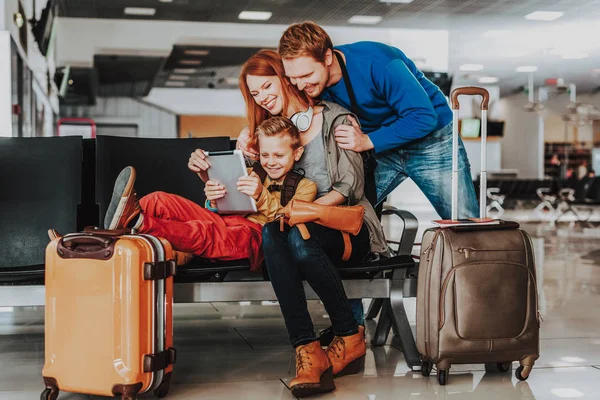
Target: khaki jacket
<point x="347" y="172"/>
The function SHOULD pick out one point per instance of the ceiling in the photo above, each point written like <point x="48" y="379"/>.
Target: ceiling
<point x="473" y="26"/>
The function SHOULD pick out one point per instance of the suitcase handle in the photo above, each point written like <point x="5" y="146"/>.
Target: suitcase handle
<point x="84" y="245"/>
<point x="470" y="91"/>
<point x="70" y="242"/>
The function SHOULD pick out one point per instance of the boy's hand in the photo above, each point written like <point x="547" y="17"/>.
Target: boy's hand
<point x="214" y="190"/>
<point x="242" y="144"/>
<point x="250" y="185"/>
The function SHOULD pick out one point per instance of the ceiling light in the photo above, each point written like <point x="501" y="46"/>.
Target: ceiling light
<point x="574" y="55"/>
<point x="190" y="62"/>
<point x="140" y="11"/>
<point x="175" y="83"/>
<point x="166" y="1"/>
<point x="232" y="81"/>
<point x="397" y="1"/>
<point x="184" y="70"/>
<point x="180" y="77"/>
<point x="192" y="52"/>
<point x="488" y="79"/>
<point x="567" y="54"/>
<point x="471" y="67"/>
<point x="255" y="15"/>
<point x="527" y="68"/>
<point x="544" y="15"/>
<point x="566" y="393"/>
<point x="365" y="19"/>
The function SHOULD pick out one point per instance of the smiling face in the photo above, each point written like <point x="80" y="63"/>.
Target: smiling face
<point x="308" y="74"/>
<point x="267" y="93"/>
<point x="277" y="156"/>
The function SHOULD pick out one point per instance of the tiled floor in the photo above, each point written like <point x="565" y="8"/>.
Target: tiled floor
<point x="233" y="351"/>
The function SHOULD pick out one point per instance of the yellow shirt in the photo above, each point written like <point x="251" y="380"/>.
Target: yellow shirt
<point x="268" y="203"/>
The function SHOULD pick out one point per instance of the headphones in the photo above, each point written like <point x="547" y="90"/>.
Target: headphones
<point x="303" y="119"/>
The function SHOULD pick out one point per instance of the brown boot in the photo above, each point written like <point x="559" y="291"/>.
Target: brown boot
<point x="124" y="206"/>
<point x="347" y="353"/>
<point x="313" y="371"/>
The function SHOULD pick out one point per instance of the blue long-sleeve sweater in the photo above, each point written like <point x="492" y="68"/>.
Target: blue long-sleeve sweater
<point x="397" y="104"/>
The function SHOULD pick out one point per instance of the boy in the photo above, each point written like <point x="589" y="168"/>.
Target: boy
<point x="202" y="231"/>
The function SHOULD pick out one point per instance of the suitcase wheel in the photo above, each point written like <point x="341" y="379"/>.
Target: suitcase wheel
<point x="498" y="367"/>
<point x="442" y="376"/>
<point x="522" y="373"/>
<point x="163" y="389"/>
<point x="49" y="394"/>
<point x="426" y="368"/>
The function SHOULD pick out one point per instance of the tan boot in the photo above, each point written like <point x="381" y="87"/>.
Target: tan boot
<point x="313" y="371"/>
<point x="347" y="353"/>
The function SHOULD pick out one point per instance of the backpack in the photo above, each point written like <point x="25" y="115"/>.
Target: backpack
<point x="289" y="186"/>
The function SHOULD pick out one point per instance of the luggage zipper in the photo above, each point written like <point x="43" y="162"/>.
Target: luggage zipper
<point x="468" y="250"/>
<point x="430" y="250"/>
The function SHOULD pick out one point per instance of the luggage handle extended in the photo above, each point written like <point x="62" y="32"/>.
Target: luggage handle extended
<point x="469" y="91"/>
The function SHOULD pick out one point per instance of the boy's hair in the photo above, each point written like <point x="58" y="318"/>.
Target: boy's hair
<point x="279" y="126"/>
<point x="305" y="39"/>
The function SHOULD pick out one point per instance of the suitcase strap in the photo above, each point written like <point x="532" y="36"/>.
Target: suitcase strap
<point x="159" y="270"/>
<point x="159" y="361"/>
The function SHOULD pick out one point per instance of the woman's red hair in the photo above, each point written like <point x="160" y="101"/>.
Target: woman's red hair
<point x="266" y="63"/>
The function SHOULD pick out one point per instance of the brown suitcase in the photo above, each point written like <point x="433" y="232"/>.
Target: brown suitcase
<point x="108" y="316"/>
<point x="477" y="297"/>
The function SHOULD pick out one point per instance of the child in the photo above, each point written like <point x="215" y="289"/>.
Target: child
<point x="202" y="231"/>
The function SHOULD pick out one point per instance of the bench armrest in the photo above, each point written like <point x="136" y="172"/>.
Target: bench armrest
<point x="409" y="233"/>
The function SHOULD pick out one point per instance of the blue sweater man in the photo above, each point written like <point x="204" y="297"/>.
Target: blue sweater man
<point x="404" y="118"/>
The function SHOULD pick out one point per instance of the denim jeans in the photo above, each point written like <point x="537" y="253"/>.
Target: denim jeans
<point x="290" y="259"/>
<point x="428" y="162"/>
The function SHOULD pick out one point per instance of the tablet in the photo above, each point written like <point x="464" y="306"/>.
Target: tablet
<point x="226" y="167"/>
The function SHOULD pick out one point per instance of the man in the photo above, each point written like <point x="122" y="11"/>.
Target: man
<point x="404" y="117"/>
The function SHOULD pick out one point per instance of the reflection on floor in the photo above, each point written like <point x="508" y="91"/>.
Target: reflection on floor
<point x="240" y="351"/>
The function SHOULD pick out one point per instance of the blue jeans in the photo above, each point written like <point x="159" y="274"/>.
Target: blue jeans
<point x="290" y="259"/>
<point x="428" y="162"/>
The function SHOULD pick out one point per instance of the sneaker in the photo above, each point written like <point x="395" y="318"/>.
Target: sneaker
<point x="124" y="206"/>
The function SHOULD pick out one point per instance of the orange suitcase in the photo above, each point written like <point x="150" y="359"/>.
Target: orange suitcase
<point x="109" y="328"/>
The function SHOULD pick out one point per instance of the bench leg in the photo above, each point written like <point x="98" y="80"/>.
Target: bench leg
<point x="374" y="308"/>
<point x="384" y="325"/>
<point x="400" y="321"/>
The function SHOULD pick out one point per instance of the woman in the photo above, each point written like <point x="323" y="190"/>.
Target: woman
<point x="289" y="258"/>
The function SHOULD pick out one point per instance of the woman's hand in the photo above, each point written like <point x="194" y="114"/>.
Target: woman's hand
<point x="198" y="163"/>
<point x="250" y="185"/>
<point x="242" y="144"/>
<point x="214" y="191"/>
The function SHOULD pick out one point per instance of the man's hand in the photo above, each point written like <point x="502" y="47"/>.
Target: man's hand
<point x="250" y="185"/>
<point x="351" y="137"/>
<point x="199" y="164"/>
<point x="242" y="144"/>
<point x="214" y="191"/>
